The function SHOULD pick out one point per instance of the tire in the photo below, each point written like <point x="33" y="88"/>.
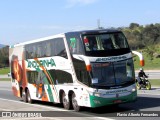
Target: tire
<point x="75" y="105"/>
<point x="66" y="102"/>
<point x="138" y="86"/>
<point x="28" y="96"/>
<point x="148" y="86"/>
<point x="24" y="96"/>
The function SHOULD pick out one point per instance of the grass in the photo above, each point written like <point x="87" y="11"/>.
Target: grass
<point x="5" y="79"/>
<point x="4" y="71"/>
<point x="153" y="64"/>
<point x="155" y="83"/>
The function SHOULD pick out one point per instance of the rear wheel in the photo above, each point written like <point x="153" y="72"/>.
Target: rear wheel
<point x="75" y="105"/>
<point x="24" y="96"/>
<point x="65" y="101"/>
<point x="28" y="96"/>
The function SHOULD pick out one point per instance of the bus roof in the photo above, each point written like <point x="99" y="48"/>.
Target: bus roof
<point x="94" y="31"/>
<point x="62" y="35"/>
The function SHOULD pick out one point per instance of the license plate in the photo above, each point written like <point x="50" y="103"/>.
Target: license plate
<point x="117" y="101"/>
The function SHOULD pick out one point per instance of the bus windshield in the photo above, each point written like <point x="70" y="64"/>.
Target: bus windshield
<point x="113" y="74"/>
<point x="104" y="42"/>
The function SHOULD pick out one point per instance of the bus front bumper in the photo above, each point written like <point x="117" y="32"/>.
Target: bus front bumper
<point x="99" y="101"/>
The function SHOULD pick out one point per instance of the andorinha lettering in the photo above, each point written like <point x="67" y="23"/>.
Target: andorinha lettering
<point x="111" y="58"/>
<point x="39" y="63"/>
<point x="116" y="91"/>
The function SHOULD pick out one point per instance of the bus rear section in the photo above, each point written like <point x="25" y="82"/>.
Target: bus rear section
<point x="40" y="68"/>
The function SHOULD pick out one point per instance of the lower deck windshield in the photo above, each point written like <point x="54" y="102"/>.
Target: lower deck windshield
<point x="112" y="74"/>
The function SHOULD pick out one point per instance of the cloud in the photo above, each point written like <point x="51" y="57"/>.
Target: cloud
<point x="72" y="3"/>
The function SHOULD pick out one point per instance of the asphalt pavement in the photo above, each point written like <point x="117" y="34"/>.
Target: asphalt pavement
<point x="148" y="100"/>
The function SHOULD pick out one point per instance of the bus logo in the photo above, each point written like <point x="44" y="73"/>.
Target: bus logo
<point x="36" y="64"/>
<point x="111" y="59"/>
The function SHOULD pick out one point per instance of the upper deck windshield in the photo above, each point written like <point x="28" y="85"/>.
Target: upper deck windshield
<point x="101" y="43"/>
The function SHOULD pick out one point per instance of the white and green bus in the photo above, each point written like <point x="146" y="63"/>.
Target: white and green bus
<point x="90" y="68"/>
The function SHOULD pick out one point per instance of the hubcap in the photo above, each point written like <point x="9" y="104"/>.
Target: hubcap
<point x="65" y="102"/>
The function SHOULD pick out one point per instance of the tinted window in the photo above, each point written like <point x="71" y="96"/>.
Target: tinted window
<point x="104" y="41"/>
<point x="54" y="47"/>
<point x="75" y="43"/>
<point x="56" y="77"/>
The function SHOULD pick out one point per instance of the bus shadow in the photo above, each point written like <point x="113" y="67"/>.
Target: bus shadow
<point x="139" y="105"/>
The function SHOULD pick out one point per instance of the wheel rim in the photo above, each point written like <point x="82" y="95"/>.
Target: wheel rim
<point x="74" y="103"/>
<point x="24" y="96"/>
<point x="148" y="86"/>
<point x="65" y="102"/>
<point x="29" y="97"/>
<point x="76" y="107"/>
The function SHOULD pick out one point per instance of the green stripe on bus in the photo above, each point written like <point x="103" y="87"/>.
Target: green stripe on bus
<point x="99" y="101"/>
<point x="50" y="94"/>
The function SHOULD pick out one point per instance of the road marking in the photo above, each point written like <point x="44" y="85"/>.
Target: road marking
<point x="148" y="94"/>
<point x="58" y="109"/>
<point x="5" y="109"/>
<point x="103" y="118"/>
<point x="4" y="89"/>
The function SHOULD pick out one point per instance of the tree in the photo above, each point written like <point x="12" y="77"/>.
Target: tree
<point x="133" y="25"/>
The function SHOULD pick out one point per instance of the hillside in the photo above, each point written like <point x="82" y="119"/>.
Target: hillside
<point x="145" y="39"/>
<point x="1" y="46"/>
<point x="142" y="37"/>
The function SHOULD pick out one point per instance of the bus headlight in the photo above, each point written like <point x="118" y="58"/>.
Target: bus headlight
<point x="91" y="93"/>
<point x="134" y="88"/>
<point x="97" y="94"/>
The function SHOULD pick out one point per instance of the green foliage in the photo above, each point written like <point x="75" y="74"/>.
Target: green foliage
<point x="140" y="37"/>
<point x="147" y="39"/>
<point x="4" y="57"/>
<point x="5" y="79"/>
<point x="4" y="71"/>
<point x="155" y="83"/>
<point x="151" y="63"/>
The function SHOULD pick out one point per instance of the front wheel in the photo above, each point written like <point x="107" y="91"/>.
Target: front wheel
<point x="75" y="105"/>
<point x="148" y="85"/>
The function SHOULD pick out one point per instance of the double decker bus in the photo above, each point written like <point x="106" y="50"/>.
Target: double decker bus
<point x="91" y="68"/>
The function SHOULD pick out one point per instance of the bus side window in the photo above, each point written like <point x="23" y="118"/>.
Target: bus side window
<point x="63" y="77"/>
<point x="60" y="48"/>
<point x="39" y="51"/>
<point x="48" y="49"/>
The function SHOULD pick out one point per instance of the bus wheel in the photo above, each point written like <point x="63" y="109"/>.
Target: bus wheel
<point x="24" y="97"/>
<point x="75" y="105"/>
<point x="66" y="102"/>
<point x="28" y="96"/>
